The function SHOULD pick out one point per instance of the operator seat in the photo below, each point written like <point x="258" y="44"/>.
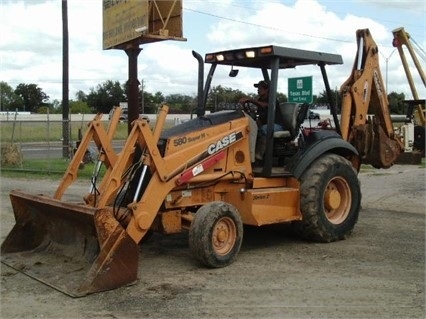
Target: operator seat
<point x="293" y="115"/>
<point x="289" y="112"/>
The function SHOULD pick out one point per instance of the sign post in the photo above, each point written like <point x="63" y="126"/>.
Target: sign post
<point x="300" y="90"/>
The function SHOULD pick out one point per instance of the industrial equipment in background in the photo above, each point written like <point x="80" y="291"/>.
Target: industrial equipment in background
<point x="416" y="106"/>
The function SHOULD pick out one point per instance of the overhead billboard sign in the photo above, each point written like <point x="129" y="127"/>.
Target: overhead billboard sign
<point x="140" y="21"/>
<point x="300" y="90"/>
<point x="121" y="19"/>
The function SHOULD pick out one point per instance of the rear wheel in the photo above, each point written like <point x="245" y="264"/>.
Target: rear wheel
<point x="216" y="234"/>
<point x="330" y="199"/>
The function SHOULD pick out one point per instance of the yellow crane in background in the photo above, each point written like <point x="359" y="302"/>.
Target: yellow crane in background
<point x="417" y="105"/>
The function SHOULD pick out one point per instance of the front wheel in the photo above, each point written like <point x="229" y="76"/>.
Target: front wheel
<point x="330" y="199"/>
<point x="216" y="234"/>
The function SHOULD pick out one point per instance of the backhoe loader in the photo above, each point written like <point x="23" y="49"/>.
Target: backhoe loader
<point x="201" y="177"/>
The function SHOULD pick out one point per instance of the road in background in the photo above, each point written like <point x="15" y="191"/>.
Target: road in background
<point x="47" y="150"/>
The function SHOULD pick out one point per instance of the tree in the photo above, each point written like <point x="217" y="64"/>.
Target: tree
<point x="180" y="104"/>
<point x="224" y="98"/>
<point x="79" y="107"/>
<point x="9" y="100"/>
<point x="56" y="106"/>
<point x="221" y="98"/>
<point x="282" y="97"/>
<point x="81" y="96"/>
<point x="151" y="101"/>
<point x="322" y="98"/>
<point x="106" y="96"/>
<point x="32" y="96"/>
<point x="44" y="109"/>
<point x="396" y="103"/>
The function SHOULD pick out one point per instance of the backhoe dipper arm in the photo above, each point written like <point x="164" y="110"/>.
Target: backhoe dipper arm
<point x="365" y="116"/>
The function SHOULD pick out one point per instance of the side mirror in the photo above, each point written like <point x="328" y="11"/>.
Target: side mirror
<point x="233" y="73"/>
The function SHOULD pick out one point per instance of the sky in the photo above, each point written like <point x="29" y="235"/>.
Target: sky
<point x="31" y="42"/>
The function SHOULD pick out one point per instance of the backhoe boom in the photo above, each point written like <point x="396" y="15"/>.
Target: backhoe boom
<point x="365" y="116"/>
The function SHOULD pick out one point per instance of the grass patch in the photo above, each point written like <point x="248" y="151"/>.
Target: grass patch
<point x="43" y="131"/>
<point x="423" y="163"/>
<point x="50" y="169"/>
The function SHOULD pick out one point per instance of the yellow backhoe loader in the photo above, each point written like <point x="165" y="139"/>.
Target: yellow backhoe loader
<point x="201" y="177"/>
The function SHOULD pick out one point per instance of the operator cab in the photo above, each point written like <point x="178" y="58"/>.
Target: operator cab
<point x="269" y="60"/>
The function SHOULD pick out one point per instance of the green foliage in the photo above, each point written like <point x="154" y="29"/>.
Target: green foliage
<point x="282" y="97"/>
<point x="223" y="98"/>
<point x="322" y="99"/>
<point x="150" y="102"/>
<point x="396" y="103"/>
<point x="29" y="97"/>
<point x="81" y="96"/>
<point x="44" y="131"/>
<point x="9" y="100"/>
<point x="45" y="109"/>
<point x="55" y="107"/>
<point x="47" y="168"/>
<point x="77" y="107"/>
<point x="32" y="96"/>
<point x="106" y="96"/>
<point x="180" y="104"/>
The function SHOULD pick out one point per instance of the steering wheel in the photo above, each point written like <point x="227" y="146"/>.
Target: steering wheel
<point x="249" y="108"/>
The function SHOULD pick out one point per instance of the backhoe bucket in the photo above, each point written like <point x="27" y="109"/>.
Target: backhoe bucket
<point x="71" y="247"/>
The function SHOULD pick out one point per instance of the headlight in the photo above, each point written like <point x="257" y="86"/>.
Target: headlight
<point x="250" y="54"/>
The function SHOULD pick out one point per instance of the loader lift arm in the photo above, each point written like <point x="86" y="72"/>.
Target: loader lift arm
<point x="102" y="139"/>
<point x="365" y="118"/>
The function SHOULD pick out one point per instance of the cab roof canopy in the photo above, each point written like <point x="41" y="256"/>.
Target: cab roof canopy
<point x="260" y="57"/>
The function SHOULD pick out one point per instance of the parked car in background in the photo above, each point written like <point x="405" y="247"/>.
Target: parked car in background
<point x="312" y="115"/>
<point x="123" y="117"/>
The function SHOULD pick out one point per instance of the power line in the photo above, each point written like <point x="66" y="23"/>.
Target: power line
<point x="267" y="27"/>
<point x="274" y="28"/>
<point x="409" y="10"/>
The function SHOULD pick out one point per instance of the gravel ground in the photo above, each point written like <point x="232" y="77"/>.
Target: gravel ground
<point x="378" y="272"/>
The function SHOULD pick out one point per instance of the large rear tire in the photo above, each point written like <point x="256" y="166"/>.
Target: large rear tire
<point x="330" y="199"/>
<point x="216" y="234"/>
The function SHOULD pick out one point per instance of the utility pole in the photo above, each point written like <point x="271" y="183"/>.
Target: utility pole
<point x="387" y="60"/>
<point x="65" y="84"/>
<point x="143" y="97"/>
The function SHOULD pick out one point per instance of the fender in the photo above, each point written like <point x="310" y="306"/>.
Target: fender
<point x="317" y="145"/>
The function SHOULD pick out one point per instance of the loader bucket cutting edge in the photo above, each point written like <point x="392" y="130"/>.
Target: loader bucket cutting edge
<point x="71" y="247"/>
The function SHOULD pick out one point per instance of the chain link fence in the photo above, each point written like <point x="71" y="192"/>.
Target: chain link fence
<point x="40" y="142"/>
<point x="45" y="143"/>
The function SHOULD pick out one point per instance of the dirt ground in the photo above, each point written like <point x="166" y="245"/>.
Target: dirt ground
<point x="378" y="272"/>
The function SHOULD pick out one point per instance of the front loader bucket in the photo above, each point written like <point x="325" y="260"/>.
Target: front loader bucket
<point x="71" y="247"/>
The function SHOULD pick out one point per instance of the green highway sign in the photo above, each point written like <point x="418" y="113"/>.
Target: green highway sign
<point x="300" y="89"/>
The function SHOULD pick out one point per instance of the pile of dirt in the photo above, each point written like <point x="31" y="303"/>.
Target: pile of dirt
<point x="11" y="155"/>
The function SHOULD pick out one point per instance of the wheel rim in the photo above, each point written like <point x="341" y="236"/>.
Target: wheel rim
<point x="337" y="200"/>
<point x="224" y="236"/>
